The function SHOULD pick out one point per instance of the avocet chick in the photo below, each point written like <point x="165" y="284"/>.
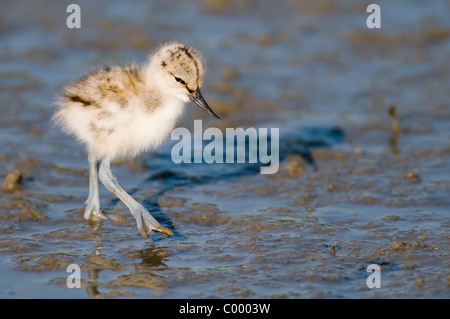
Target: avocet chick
<point x="120" y="112"/>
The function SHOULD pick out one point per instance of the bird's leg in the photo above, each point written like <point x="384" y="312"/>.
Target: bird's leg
<point x="92" y="211"/>
<point x="145" y="222"/>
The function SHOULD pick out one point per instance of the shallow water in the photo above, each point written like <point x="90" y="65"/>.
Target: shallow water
<point x="351" y="190"/>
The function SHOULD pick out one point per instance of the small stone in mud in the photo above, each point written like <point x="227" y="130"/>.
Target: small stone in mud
<point x="333" y="250"/>
<point x="397" y="245"/>
<point x="419" y="282"/>
<point x="395" y="126"/>
<point x="411" y="175"/>
<point x="12" y="181"/>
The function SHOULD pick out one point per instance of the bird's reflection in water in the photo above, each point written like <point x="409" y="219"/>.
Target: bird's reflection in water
<point x="141" y="274"/>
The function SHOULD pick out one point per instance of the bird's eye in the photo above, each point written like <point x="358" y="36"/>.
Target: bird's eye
<point x="180" y="80"/>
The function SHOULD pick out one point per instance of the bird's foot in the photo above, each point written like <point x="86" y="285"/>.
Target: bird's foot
<point x="146" y="223"/>
<point x="98" y="216"/>
<point x="93" y="212"/>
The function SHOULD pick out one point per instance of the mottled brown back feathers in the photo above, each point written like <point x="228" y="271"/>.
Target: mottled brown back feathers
<point x="113" y="84"/>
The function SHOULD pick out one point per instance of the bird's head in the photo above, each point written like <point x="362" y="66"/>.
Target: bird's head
<point x="180" y="71"/>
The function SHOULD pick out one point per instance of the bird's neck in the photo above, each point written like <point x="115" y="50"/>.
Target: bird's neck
<point x="151" y="74"/>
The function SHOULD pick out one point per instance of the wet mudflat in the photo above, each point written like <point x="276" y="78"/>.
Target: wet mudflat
<point x="364" y="175"/>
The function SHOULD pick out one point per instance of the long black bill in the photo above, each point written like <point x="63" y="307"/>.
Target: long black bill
<point x="198" y="99"/>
